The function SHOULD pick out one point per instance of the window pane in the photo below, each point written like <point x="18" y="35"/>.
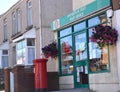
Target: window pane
<point x="30" y="42"/>
<point x="18" y="20"/>
<point x="94" y="21"/>
<point x="66" y="31"/>
<point x="13" y="23"/>
<point x="80" y="26"/>
<point x="81" y="47"/>
<point x="20" y="52"/>
<point x="4" y="61"/>
<point x="29" y="13"/>
<point x="66" y="55"/>
<point x="31" y="55"/>
<point x="5" y="29"/>
<point x="97" y="20"/>
<point x="5" y="52"/>
<point x="98" y="56"/>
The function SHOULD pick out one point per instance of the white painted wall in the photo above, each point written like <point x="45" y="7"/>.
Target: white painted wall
<point x="109" y="81"/>
<point x="66" y="82"/>
<point x="117" y="26"/>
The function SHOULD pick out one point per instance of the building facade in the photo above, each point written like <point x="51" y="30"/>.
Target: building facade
<point x="82" y="62"/>
<point x="25" y="30"/>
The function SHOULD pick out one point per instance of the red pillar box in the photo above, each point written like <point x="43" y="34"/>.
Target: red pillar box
<point x="40" y="75"/>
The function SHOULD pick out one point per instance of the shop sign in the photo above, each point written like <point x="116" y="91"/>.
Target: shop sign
<point x="79" y="13"/>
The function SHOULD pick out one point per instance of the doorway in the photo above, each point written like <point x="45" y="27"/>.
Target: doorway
<point x="80" y="60"/>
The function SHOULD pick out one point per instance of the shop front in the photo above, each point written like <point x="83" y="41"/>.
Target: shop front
<point x="82" y="60"/>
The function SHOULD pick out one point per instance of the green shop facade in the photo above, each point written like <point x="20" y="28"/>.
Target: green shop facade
<point x="82" y="62"/>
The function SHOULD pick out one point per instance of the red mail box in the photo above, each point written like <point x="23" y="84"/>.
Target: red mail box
<point x="40" y="71"/>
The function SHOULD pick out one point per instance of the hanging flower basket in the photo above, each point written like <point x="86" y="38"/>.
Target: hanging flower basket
<point x="50" y="50"/>
<point x="104" y="35"/>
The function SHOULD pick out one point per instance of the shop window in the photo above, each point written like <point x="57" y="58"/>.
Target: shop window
<point x="74" y="38"/>
<point x="98" y="57"/>
<point x="66" y="52"/>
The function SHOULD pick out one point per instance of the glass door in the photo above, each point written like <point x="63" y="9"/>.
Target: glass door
<point x="80" y="58"/>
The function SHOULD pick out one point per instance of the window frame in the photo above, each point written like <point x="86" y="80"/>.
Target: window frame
<point x="22" y="52"/>
<point x="74" y="32"/>
<point x="5" y="55"/>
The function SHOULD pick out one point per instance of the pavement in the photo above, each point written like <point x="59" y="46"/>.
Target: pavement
<point x="74" y="90"/>
<point x="70" y="90"/>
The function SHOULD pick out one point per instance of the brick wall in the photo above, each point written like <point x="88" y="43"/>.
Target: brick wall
<point x="7" y="79"/>
<point x="24" y="79"/>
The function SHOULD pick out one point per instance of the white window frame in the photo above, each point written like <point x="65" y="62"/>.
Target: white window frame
<point x="25" y="54"/>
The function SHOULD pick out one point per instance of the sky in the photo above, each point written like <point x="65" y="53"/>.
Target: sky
<point x="6" y="4"/>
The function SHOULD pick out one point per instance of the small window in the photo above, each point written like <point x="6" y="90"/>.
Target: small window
<point x="30" y="42"/>
<point x="5" y="52"/>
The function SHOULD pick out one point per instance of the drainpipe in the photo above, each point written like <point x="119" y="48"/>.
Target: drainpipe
<point x="40" y="23"/>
